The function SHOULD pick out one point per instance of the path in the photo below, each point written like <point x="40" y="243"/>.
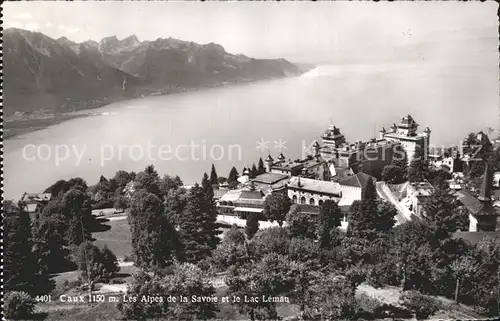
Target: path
<point x="404" y="214"/>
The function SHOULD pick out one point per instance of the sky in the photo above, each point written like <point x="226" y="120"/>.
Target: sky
<point x="294" y="30"/>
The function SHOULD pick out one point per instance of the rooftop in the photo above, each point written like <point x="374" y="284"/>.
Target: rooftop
<point x="36" y="197"/>
<point x="475" y="206"/>
<point x="314" y="185"/>
<point x="270" y="178"/>
<point x="358" y="180"/>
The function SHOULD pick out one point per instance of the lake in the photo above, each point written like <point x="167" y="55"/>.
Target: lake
<point x="184" y="134"/>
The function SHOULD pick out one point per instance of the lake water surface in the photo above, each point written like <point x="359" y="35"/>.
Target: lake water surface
<point x="228" y="122"/>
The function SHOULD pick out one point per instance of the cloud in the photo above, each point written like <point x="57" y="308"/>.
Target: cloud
<point x="23" y="16"/>
<point x="15" y="24"/>
<point x="72" y="29"/>
<point x="48" y="25"/>
<point x="31" y="26"/>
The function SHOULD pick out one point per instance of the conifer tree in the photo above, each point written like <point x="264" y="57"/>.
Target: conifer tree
<point x="261" y="169"/>
<point x="328" y="218"/>
<point x="419" y="166"/>
<point x="20" y="268"/>
<point x="252" y="225"/>
<point x="198" y="225"/>
<point x="214" y="179"/>
<point x="154" y="239"/>
<point x="254" y="172"/>
<point x="149" y="180"/>
<point x="442" y="212"/>
<point x="232" y="179"/>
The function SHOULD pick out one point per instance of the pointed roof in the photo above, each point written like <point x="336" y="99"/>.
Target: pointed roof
<point x="485" y="191"/>
<point x="316" y="144"/>
<point x="407" y="121"/>
<point x="269" y="158"/>
<point x="358" y="180"/>
<point x="281" y="157"/>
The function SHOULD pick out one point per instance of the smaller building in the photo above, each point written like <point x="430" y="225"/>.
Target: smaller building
<point x="312" y="192"/>
<point x="34" y="201"/>
<point x="482" y="214"/>
<point x="417" y="195"/>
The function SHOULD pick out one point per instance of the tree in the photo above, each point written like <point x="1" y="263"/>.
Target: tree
<point x="231" y="250"/>
<point x="254" y="172"/>
<point x="20" y="267"/>
<point x="463" y="268"/>
<point x="198" y="225"/>
<point x="419" y="166"/>
<point x="330" y="297"/>
<point x="121" y="202"/>
<point x="48" y="246"/>
<point x="328" y="219"/>
<point x="274" y="275"/>
<point x="149" y="180"/>
<point x="76" y="210"/>
<point x="90" y="264"/>
<point x="423" y="306"/>
<point x="300" y="224"/>
<point x="214" y="179"/>
<point x="270" y="240"/>
<point x="441" y="212"/>
<point x="186" y="280"/>
<point x="232" y="179"/>
<point x="154" y="240"/>
<point x="400" y="159"/>
<point x="370" y="215"/>
<point x="19" y="306"/>
<point x="122" y="178"/>
<point x="109" y="261"/>
<point x="252" y="225"/>
<point x="411" y="253"/>
<point x="234" y="236"/>
<point x="60" y="187"/>
<point x="393" y="174"/>
<point x="168" y="183"/>
<point x="175" y="202"/>
<point x="276" y="206"/>
<point x="261" y="169"/>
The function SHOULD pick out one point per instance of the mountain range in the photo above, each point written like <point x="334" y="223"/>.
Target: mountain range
<point x="57" y="75"/>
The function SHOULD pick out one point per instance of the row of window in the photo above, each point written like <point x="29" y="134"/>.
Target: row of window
<point x="303" y="200"/>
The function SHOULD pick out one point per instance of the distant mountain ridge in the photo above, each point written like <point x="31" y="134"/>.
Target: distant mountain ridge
<point x="42" y="73"/>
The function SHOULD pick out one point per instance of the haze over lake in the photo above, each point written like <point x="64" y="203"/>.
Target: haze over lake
<point x="452" y="98"/>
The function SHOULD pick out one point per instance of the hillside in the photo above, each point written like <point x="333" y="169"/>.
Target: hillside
<point x="60" y="75"/>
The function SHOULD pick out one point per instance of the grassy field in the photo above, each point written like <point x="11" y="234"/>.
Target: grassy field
<point x="115" y="234"/>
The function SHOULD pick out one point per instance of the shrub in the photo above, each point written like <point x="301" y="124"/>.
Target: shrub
<point x="423" y="305"/>
<point x="18" y="305"/>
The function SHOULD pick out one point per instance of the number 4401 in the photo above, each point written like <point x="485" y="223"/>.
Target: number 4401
<point x="43" y="298"/>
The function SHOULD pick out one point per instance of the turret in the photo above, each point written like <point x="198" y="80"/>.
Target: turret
<point x="281" y="158"/>
<point x="394" y="128"/>
<point x="316" y="148"/>
<point x="382" y="133"/>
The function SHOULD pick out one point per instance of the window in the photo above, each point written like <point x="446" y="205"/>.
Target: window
<point x="311" y="201"/>
<point x="294" y="198"/>
<point x="320" y="202"/>
<point x="302" y="200"/>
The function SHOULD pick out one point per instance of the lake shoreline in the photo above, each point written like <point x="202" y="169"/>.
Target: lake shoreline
<point x="25" y="124"/>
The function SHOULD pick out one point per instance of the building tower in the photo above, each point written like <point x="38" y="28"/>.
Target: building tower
<point x="269" y="162"/>
<point x="281" y="158"/>
<point x="316" y="148"/>
<point x="486" y="215"/>
<point x="382" y="133"/>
